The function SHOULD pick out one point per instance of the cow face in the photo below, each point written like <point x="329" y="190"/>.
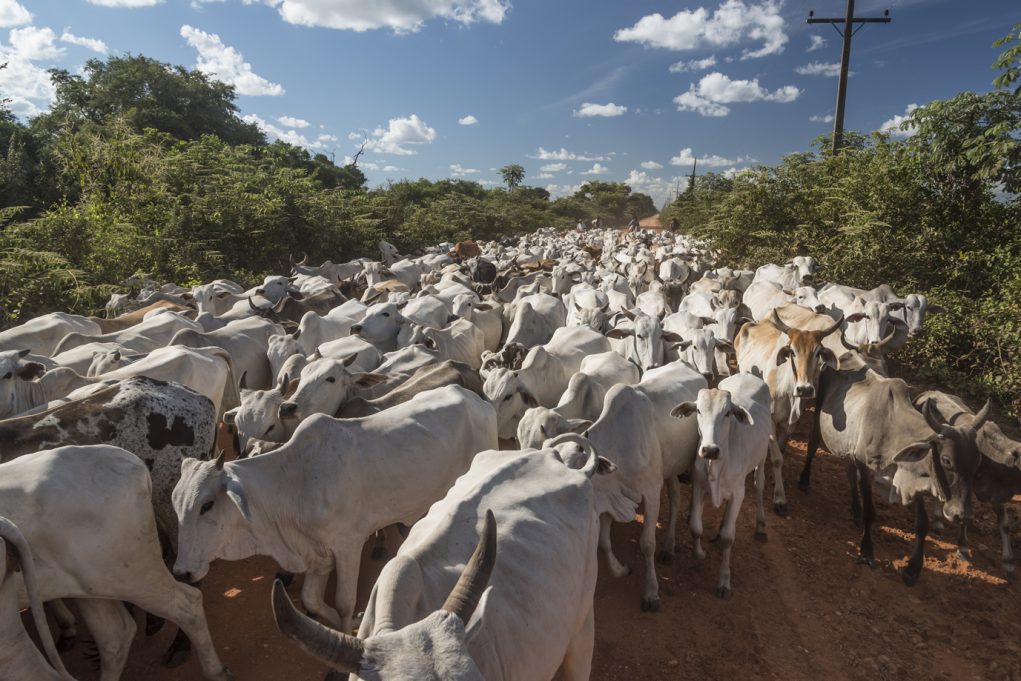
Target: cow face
<point x="209" y="500"/>
<point x="806" y="267"/>
<point x="325" y="384"/>
<point x="540" y="424"/>
<point x="727" y="321"/>
<point x="806" y="296"/>
<point x="644" y="341"/>
<point x="12" y="372"/>
<point x="274" y="288"/>
<point x="381" y="323"/>
<point x="916" y="306"/>
<point x="593" y="316"/>
<point x="258" y="416"/>
<point x="103" y="362"/>
<point x="510" y="398"/>
<point x="717" y="415"/>
<point x="699" y="352"/>
<point x="806" y="354"/>
<point x="874" y="321"/>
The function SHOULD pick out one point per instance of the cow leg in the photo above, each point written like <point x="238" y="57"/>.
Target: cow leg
<point x="760" y="511"/>
<point x="913" y="570"/>
<point x="617" y="569"/>
<point x="65" y="623"/>
<point x="728" y="530"/>
<point x="182" y="605"/>
<point x="1003" y="523"/>
<point x="650" y="601"/>
<point x="673" y="491"/>
<point x="577" y="665"/>
<point x="855" y="479"/>
<point x="113" y="629"/>
<point x="379" y="546"/>
<point x="867" y="509"/>
<point x="346" y="595"/>
<point x="313" y="596"/>
<point x="805" y="482"/>
<point x="963" y="550"/>
<point x="776" y="458"/>
<point x="937" y="516"/>
<point x="698" y="488"/>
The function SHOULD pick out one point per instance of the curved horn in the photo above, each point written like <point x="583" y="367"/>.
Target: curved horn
<point x="982" y="416"/>
<point x="337" y="649"/>
<point x="218" y="462"/>
<point x="883" y="343"/>
<point x="836" y="325"/>
<point x="848" y="344"/>
<point x="253" y="306"/>
<point x="304" y="260"/>
<point x="779" y="323"/>
<point x="469" y="588"/>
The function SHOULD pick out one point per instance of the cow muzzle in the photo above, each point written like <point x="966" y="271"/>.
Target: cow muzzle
<point x="185" y="576"/>
<point x="356" y="330"/>
<point x="288" y="410"/>
<point x="805" y="391"/>
<point x="711" y="452"/>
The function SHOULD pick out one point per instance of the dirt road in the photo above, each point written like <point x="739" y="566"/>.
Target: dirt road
<point x="802" y="607"/>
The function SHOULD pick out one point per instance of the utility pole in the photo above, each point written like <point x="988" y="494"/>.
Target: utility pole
<point x="849" y="22"/>
<point x="691" y="182"/>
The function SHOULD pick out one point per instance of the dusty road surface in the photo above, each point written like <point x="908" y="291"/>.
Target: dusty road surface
<point x="802" y="607"/>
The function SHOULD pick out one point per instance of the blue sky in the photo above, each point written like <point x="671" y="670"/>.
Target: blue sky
<point x="572" y="90"/>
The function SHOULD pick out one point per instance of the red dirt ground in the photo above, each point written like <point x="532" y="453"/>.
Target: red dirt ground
<point x="802" y="607"/>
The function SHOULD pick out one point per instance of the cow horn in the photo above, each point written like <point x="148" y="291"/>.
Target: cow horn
<point x="304" y="261"/>
<point x="982" y="416"/>
<point x="341" y="651"/>
<point x="779" y="323"/>
<point x="252" y="305"/>
<point x="884" y="342"/>
<point x="242" y="382"/>
<point x="218" y="461"/>
<point x="848" y="344"/>
<point x="467" y="593"/>
<point x="836" y="325"/>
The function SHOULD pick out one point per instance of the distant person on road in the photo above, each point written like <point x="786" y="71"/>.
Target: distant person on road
<point x="596" y="224"/>
<point x="673" y="225"/>
<point x="632" y="226"/>
<point x="581" y="226"/>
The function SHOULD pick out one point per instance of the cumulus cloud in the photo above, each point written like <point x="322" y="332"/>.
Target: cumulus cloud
<point x="818" y="42"/>
<point x="553" y="167"/>
<point x="457" y="170"/>
<point x="399" y="133"/>
<point x="125" y="3"/>
<point x="828" y="118"/>
<point x="402" y="16"/>
<point x="651" y="165"/>
<point x="13" y="14"/>
<point x="659" y="188"/>
<point x="589" y="110"/>
<point x="89" y="43"/>
<point x="892" y="126"/>
<point x="467" y="120"/>
<point x="26" y="85"/>
<point x="693" y="65"/>
<point x="597" y="169"/>
<point x="226" y="64"/>
<point x="731" y="23"/>
<point x="558" y="190"/>
<point x="35" y="44"/>
<point x="564" y="155"/>
<point x="290" y="136"/>
<point x="685" y="157"/>
<point x="711" y="95"/>
<point x="819" y="68"/>
<point x="292" y="122"/>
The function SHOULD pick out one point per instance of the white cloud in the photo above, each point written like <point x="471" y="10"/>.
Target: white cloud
<point x="292" y="122"/>
<point x="125" y="3"/>
<point x="399" y="132"/>
<point x="25" y="84"/>
<point x="403" y="16"/>
<point x="828" y="118"/>
<point x="589" y="110"/>
<point x="457" y="170"/>
<point x="290" y="136"/>
<point x="35" y="44"/>
<point x="892" y="126"/>
<point x="226" y="64"/>
<point x="732" y="22"/>
<point x="93" y="44"/>
<point x="13" y="14"/>
<point x="651" y="165"/>
<point x="553" y="167"/>
<point x="564" y="155"/>
<point x="818" y="42"/>
<point x="693" y="65"/>
<point x="685" y="157"/>
<point x="819" y="68"/>
<point x="467" y="120"/>
<point x="327" y="138"/>
<point x="558" y="190"/>
<point x="597" y="169"/>
<point x="715" y="90"/>
<point x="659" y="188"/>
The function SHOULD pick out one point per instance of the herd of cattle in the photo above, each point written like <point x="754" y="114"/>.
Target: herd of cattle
<point x="507" y="402"/>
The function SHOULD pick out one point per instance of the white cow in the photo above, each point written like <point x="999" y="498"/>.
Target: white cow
<point x="314" y="330"/>
<point x="460" y="341"/>
<point x="735" y="426"/>
<point x="42" y="334"/>
<point x="153" y="332"/>
<point x="643" y="340"/>
<point x="364" y="474"/>
<point x="536" y="318"/>
<point x="86" y="511"/>
<point x="487" y="316"/>
<point x="324" y="385"/>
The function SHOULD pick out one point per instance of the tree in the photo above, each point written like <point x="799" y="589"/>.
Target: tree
<point x="513" y="175"/>
<point x="1009" y="60"/>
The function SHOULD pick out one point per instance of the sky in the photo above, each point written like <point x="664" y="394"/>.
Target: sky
<point x="572" y="90"/>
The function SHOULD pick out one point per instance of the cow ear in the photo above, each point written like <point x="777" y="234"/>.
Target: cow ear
<point x="230" y="415"/>
<point x="913" y="453"/>
<point x="672" y="337"/>
<point x="483" y="307"/>
<point x="895" y="306"/>
<point x="223" y="294"/>
<point x="936" y="309"/>
<point x="604" y="466"/>
<point x="683" y="409"/>
<point x="742" y="415"/>
<point x="683" y="345"/>
<point x="30" y="371"/>
<point x="856" y="317"/>
<point x="348" y="361"/>
<point x="782" y="355"/>
<point x="725" y="345"/>
<point x="829" y="358"/>
<point x="24" y="353"/>
<point x="291" y="387"/>
<point x="285" y="379"/>
<point x="367" y="380"/>
<point x="236" y="492"/>
<point x="620" y="333"/>
<point x="243" y="382"/>
<point x="579" y="425"/>
<point x="529" y="399"/>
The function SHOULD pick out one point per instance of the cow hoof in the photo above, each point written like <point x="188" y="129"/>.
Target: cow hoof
<point x="867" y="560"/>
<point x="175" y="658"/>
<point x="153" y="624"/>
<point x="650" y="604"/>
<point x="715" y="540"/>
<point x="760" y="535"/>
<point x="664" y="557"/>
<point x="805" y="486"/>
<point x="780" y="509"/>
<point x="684" y="478"/>
<point x="964" y="554"/>
<point x="66" y="643"/>
<point x="227" y="675"/>
<point x="379" y="553"/>
<point x="910" y="575"/>
<point x="938" y="528"/>
<point x="723" y="592"/>
<point x="285" y="577"/>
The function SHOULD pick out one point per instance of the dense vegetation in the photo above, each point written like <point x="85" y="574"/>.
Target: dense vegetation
<point x="139" y="166"/>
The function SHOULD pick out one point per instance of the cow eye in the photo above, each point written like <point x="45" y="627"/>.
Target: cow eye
<point x="507" y="397"/>
<point x="205" y="508"/>
<point x="272" y="426"/>
<point x="641" y="337"/>
<point x="8" y="374"/>
<point x="386" y="314"/>
<point x="331" y="379"/>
